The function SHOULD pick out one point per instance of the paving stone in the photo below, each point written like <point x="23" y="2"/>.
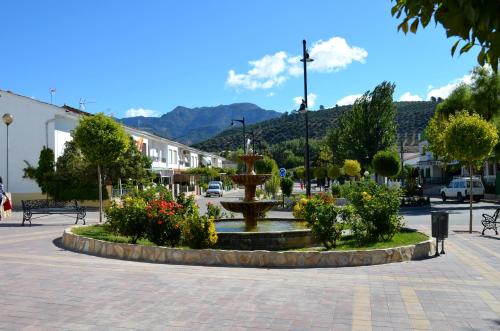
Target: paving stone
<point x="43" y="287"/>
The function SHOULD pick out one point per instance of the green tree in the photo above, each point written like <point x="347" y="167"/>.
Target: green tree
<point x="470" y="139"/>
<point x="102" y="140"/>
<point x="387" y="163"/>
<point x="44" y="173"/>
<point x="265" y="166"/>
<point x="299" y="172"/>
<point x="485" y="92"/>
<point x="482" y="96"/>
<point x="273" y="184"/>
<point x="475" y="22"/>
<point x="460" y="98"/>
<point x="131" y="164"/>
<point x="334" y="172"/>
<point x="352" y="168"/>
<point x="368" y="128"/>
<point x="286" y="185"/>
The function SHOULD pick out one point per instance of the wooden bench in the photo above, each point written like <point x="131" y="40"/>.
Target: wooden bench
<point x="50" y="207"/>
<point x="490" y="222"/>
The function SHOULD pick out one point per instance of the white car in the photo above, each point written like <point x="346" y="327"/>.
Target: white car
<point x="459" y="189"/>
<point x="214" y="189"/>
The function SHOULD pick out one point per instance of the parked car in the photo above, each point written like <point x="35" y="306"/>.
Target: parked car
<point x="459" y="189"/>
<point x="214" y="189"/>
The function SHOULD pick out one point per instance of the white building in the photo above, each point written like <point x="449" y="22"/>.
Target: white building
<point x="37" y="124"/>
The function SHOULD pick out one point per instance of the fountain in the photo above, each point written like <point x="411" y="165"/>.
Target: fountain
<point x="256" y="232"/>
<point x="250" y="207"/>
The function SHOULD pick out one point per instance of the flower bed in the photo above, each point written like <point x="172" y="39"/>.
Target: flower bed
<point x="283" y="259"/>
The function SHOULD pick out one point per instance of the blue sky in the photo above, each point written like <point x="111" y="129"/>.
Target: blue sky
<point x="146" y="57"/>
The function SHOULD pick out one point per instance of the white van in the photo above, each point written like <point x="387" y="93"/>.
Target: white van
<point x="459" y="189"/>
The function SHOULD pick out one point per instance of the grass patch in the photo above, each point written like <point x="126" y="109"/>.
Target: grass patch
<point x="403" y="238"/>
<point x="103" y="232"/>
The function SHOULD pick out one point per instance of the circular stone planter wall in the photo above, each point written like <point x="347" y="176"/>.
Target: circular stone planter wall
<point x="211" y="257"/>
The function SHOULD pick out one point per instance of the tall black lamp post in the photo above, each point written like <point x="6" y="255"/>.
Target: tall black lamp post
<point x="242" y="121"/>
<point x="303" y="109"/>
<point x="7" y="119"/>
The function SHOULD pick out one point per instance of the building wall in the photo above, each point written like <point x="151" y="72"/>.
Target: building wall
<point x="32" y="128"/>
<point x="37" y="124"/>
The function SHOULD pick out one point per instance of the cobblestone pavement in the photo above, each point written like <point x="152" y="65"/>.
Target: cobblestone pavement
<point x="44" y="287"/>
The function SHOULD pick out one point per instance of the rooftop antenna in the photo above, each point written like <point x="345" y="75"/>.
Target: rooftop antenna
<point x="83" y="102"/>
<point x="52" y="91"/>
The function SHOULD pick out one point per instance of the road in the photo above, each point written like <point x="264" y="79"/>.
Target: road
<point x="417" y="217"/>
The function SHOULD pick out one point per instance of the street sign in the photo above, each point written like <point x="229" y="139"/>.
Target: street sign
<point x="282" y="172"/>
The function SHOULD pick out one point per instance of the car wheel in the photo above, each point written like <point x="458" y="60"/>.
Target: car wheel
<point x="477" y="199"/>
<point x="460" y="197"/>
<point x="443" y="196"/>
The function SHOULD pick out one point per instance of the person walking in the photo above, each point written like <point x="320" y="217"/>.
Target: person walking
<point x="2" y="195"/>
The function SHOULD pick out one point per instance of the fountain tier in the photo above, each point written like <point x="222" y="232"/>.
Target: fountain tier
<point x="250" y="207"/>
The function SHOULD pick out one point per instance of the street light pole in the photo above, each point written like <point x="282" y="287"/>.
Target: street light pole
<point x="7" y="119"/>
<point x="303" y="108"/>
<point x="242" y="121"/>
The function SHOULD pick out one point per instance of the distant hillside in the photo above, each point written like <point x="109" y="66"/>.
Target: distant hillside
<point x="191" y="125"/>
<point x="411" y="118"/>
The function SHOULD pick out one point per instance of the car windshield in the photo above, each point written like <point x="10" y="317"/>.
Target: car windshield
<point x="213" y="187"/>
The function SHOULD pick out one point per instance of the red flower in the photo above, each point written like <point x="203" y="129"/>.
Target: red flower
<point x="160" y="222"/>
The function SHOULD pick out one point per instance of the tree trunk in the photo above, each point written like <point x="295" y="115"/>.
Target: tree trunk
<point x="99" y="180"/>
<point x="470" y="195"/>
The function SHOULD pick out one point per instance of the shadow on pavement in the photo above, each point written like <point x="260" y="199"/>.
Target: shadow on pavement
<point x="490" y="237"/>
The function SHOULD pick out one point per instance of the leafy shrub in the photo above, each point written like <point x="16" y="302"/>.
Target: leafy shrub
<point x="156" y="192"/>
<point x="187" y="205"/>
<point x="335" y="190"/>
<point x="386" y="163"/>
<point x="378" y="207"/>
<point x="128" y="217"/>
<point x="199" y="231"/>
<point x="286" y="185"/>
<point x="214" y="211"/>
<point x="319" y="172"/>
<point x="352" y="168"/>
<point x="299" y="208"/>
<point x="328" y="221"/>
<point x="163" y="222"/>
<point x="334" y="172"/>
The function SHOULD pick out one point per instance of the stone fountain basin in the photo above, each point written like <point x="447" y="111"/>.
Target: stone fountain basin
<point x="253" y="207"/>
<point x="250" y="180"/>
<point x="252" y="239"/>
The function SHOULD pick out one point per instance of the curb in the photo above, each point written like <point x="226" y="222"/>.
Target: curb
<point x="234" y="258"/>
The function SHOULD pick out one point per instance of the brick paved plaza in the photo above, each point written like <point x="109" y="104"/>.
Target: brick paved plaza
<point x="43" y="287"/>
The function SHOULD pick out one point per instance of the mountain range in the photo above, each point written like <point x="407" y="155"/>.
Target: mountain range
<point x="192" y="125"/>
<point x="411" y="119"/>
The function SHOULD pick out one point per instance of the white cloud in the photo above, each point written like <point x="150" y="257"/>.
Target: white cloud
<point x="348" y="99"/>
<point x="334" y="54"/>
<point x="133" y="112"/>
<point x="444" y="91"/>
<point x="270" y="94"/>
<point x="311" y="100"/>
<point x="266" y="73"/>
<point x="273" y="70"/>
<point x="410" y="97"/>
